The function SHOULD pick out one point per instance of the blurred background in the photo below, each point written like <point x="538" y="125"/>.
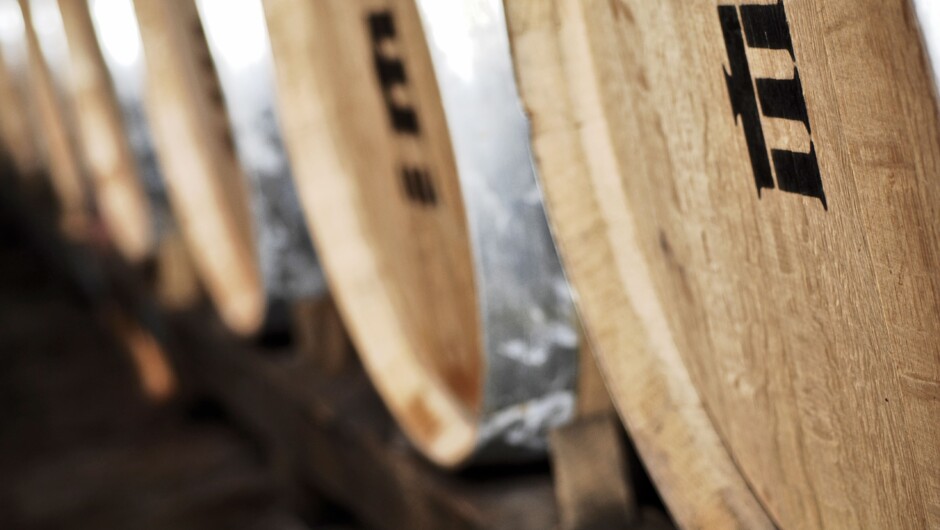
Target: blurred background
<point x="107" y="427"/>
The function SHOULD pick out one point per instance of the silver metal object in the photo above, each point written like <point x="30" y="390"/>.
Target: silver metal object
<point x="118" y="34"/>
<point x="529" y="321"/>
<point x="241" y="51"/>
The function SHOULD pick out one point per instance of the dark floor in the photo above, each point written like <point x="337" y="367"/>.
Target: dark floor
<point x="82" y="446"/>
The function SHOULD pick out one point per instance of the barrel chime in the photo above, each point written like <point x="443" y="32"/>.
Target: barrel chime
<point x="744" y="195"/>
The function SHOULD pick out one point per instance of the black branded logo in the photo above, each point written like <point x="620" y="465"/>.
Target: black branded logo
<point x="765" y="26"/>
<point x="393" y="78"/>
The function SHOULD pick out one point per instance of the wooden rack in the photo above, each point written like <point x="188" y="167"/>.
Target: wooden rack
<point x="322" y="426"/>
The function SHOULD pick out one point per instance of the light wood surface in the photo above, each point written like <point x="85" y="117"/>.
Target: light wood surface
<point x="65" y="167"/>
<point x="401" y="268"/>
<point x="118" y="188"/>
<point x="176" y="283"/>
<point x="14" y="124"/>
<point x="194" y="147"/>
<point x="791" y="335"/>
<point x="590" y="466"/>
<point x="368" y="123"/>
<point x="19" y="116"/>
<point x="236" y="33"/>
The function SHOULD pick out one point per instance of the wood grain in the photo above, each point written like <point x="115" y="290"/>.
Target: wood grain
<point x="590" y="467"/>
<point x="203" y="180"/>
<point x="810" y="328"/>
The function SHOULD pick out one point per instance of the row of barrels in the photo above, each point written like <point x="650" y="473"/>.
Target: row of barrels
<point x="744" y="193"/>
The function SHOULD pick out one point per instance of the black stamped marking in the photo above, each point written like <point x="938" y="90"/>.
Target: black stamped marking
<point x="391" y="73"/>
<point x="393" y="78"/>
<point x="418" y="186"/>
<point x="765" y="26"/>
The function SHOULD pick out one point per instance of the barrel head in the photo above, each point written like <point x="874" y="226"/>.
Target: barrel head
<point x="197" y="154"/>
<point x="19" y="119"/>
<point x="745" y="196"/>
<point x="118" y="36"/>
<point x="241" y="55"/>
<point x="48" y="76"/>
<point x="102" y="137"/>
<point x="413" y="165"/>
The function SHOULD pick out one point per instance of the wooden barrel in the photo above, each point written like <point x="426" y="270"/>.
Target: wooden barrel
<point x="18" y="119"/>
<point x="70" y="50"/>
<point x="245" y="235"/>
<point x="746" y="198"/>
<point x="412" y="159"/>
<point x="48" y="58"/>
<point x="241" y="51"/>
<point x="118" y="38"/>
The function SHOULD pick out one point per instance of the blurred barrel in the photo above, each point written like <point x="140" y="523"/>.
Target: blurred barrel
<point x="88" y="103"/>
<point x="118" y="38"/>
<point x="241" y="54"/>
<point x="18" y="112"/>
<point x="411" y="155"/>
<point x="226" y="172"/>
<point x="746" y="197"/>
<point x="48" y="65"/>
